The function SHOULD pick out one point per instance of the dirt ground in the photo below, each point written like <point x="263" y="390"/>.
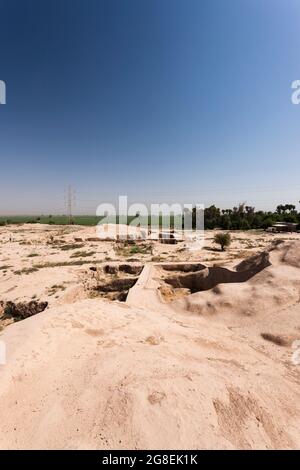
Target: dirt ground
<point x="45" y="263"/>
<point x="148" y="345"/>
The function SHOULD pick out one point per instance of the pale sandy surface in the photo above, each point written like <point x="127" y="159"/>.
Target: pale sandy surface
<point x="193" y="372"/>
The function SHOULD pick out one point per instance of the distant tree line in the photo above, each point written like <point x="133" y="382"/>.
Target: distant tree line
<point x="242" y="217"/>
<point x="246" y="217"/>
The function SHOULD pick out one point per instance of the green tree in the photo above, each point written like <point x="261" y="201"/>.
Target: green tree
<point x="223" y="239"/>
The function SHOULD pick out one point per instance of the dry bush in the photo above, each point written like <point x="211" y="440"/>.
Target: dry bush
<point x="276" y="339"/>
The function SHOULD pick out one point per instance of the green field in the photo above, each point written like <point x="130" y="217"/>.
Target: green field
<point x="54" y="219"/>
<point x="88" y="220"/>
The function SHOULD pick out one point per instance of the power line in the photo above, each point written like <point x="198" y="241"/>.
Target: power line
<point x="70" y="202"/>
<point x="258" y="189"/>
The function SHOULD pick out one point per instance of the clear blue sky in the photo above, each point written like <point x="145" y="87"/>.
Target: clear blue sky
<point x="162" y="100"/>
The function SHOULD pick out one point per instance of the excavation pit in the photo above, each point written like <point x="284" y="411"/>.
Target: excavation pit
<point x="21" y="310"/>
<point x="183" y="267"/>
<point x="113" y="281"/>
<point x="191" y="278"/>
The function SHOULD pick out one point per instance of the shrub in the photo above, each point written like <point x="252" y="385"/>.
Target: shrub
<point x="267" y="223"/>
<point x="276" y="339"/>
<point x="223" y="239"/>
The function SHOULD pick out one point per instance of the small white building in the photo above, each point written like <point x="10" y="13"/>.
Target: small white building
<point x="280" y="227"/>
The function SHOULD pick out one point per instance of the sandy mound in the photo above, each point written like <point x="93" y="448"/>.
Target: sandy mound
<point x="258" y="285"/>
<point x="105" y="375"/>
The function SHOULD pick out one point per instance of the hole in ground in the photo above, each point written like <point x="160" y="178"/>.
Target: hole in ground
<point x="183" y="267"/>
<point x="113" y="281"/>
<point x="200" y="278"/>
<point x="117" y="289"/>
<point x="21" y="310"/>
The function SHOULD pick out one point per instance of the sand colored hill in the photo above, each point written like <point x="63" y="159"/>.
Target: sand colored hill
<point x="98" y="376"/>
<point x="208" y="370"/>
<point x="272" y="282"/>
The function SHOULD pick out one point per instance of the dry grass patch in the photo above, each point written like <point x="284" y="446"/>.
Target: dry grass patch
<point x="5" y="267"/>
<point x="82" y="254"/>
<point x="126" y="249"/>
<point x="60" y="264"/>
<point x="276" y="339"/>
<point x="71" y="246"/>
<point x="27" y="270"/>
<point x="56" y="288"/>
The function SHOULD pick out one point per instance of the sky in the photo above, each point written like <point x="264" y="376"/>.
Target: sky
<point x="164" y="101"/>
